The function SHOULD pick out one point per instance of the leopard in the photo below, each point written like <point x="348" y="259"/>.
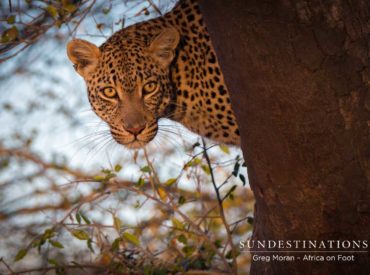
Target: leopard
<point x="163" y="68"/>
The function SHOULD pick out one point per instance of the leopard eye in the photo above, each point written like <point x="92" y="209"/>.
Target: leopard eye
<point x="150" y="87"/>
<point x="109" y="92"/>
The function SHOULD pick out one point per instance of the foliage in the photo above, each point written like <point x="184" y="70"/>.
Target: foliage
<point x="183" y="228"/>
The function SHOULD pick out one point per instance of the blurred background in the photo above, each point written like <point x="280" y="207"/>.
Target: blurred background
<point x="71" y="199"/>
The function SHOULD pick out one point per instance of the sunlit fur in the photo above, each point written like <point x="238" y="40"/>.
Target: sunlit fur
<point x="190" y="86"/>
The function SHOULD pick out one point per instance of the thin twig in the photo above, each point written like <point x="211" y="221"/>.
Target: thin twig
<point x="45" y="269"/>
<point x="155" y="7"/>
<point x="6" y="265"/>
<point x="221" y="209"/>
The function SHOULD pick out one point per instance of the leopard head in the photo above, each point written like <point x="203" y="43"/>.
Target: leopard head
<point x="128" y="81"/>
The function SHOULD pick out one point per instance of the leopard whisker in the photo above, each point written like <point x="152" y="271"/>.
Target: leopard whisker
<point x="94" y="143"/>
<point x="175" y="143"/>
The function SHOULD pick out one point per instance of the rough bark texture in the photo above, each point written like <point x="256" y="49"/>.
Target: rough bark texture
<point x="299" y="76"/>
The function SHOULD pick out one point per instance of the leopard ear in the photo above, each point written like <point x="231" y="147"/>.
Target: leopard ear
<point x="163" y="46"/>
<point x="84" y="56"/>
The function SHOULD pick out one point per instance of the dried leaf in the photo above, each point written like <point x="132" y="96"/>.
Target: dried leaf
<point x="162" y="194"/>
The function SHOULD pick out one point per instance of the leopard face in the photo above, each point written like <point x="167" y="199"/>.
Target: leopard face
<point x="128" y="82"/>
<point x="162" y="68"/>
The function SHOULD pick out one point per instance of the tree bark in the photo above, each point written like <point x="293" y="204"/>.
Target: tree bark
<point x="298" y="73"/>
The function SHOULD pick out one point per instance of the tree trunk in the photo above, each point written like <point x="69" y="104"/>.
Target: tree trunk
<point x="298" y="73"/>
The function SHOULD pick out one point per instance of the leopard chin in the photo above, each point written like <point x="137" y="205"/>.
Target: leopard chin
<point x="136" y="145"/>
<point x="134" y="142"/>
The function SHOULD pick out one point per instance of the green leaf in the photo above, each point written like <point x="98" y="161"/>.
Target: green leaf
<point x="117" y="168"/>
<point x="10" y="19"/>
<point x="80" y="234"/>
<point x="196" y="145"/>
<point x="53" y="262"/>
<point x="89" y="245"/>
<point x="145" y="169"/>
<point x="131" y="238"/>
<point x="140" y="182"/>
<point x="86" y="220"/>
<point x="188" y="250"/>
<point x="236" y="169"/>
<point x="56" y="244"/>
<point x="242" y="178"/>
<point x="53" y="11"/>
<point x="231" y="190"/>
<point x="206" y="169"/>
<point x="106" y="171"/>
<point x="182" y="200"/>
<point x="106" y="10"/>
<point x="192" y="163"/>
<point x="218" y="243"/>
<point x="177" y="224"/>
<point x="170" y="182"/>
<point x="182" y="239"/>
<point x="137" y="204"/>
<point x="224" y="149"/>
<point x="21" y="254"/>
<point x="115" y="244"/>
<point x="10" y="35"/>
<point x="117" y="223"/>
<point x="98" y="178"/>
<point x="70" y="8"/>
<point x="78" y="218"/>
<point x="229" y="255"/>
<point x="148" y="270"/>
<point x="48" y="233"/>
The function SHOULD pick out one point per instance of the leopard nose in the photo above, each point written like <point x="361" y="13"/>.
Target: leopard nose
<point x="135" y="130"/>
